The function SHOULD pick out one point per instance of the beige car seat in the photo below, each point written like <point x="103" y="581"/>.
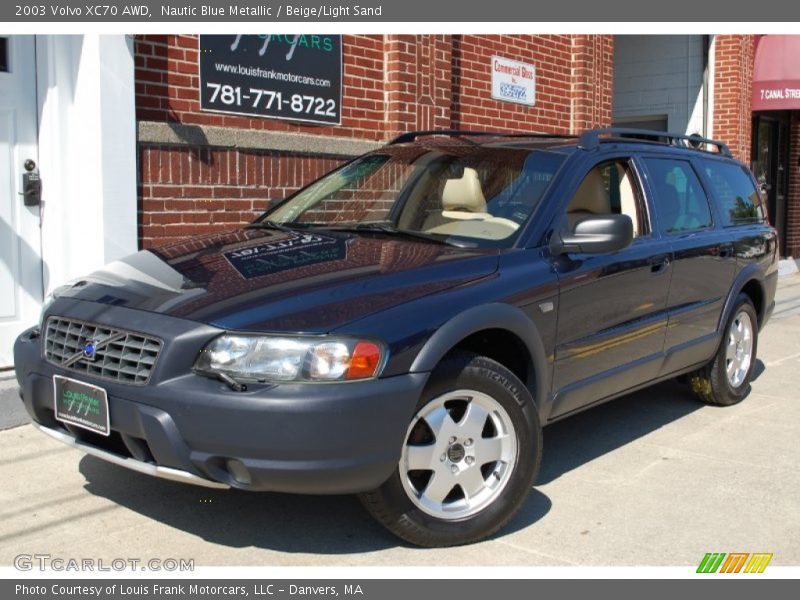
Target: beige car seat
<point x="627" y="196"/>
<point x="464" y="211"/>
<point x="463" y="198"/>
<point x="592" y="197"/>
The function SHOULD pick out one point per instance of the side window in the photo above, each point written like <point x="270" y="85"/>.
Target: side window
<point x="680" y="200"/>
<point x="739" y="201"/>
<point x="609" y="188"/>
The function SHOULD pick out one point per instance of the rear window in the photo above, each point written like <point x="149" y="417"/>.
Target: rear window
<point x="738" y="199"/>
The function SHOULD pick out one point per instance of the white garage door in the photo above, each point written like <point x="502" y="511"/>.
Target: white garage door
<point x="20" y="236"/>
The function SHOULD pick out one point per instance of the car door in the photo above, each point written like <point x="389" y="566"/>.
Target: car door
<point x="612" y="307"/>
<point x="703" y="264"/>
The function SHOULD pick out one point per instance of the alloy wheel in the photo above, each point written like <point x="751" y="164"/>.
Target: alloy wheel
<point x="460" y="452"/>
<point x="739" y="349"/>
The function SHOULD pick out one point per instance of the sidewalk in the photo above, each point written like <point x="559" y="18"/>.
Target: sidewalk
<point x="12" y="414"/>
<point x="787" y="297"/>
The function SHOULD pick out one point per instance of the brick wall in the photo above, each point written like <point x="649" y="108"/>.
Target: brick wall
<point x="188" y="191"/>
<point x="391" y="84"/>
<point x="733" y="79"/>
<point x="592" y="81"/>
<point x="473" y="106"/>
<point x="419" y="71"/>
<point x="793" y="199"/>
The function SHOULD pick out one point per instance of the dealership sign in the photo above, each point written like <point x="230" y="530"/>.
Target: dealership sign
<point x="293" y="77"/>
<point x="293" y="252"/>
<point x="513" y="81"/>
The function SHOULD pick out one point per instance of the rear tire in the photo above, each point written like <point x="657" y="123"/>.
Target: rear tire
<point x="726" y="379"/>
<point x="471" y="454"/>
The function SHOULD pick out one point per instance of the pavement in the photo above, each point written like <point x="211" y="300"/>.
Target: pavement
<point x="653" y="478"/>
<point x="12" y="413"/>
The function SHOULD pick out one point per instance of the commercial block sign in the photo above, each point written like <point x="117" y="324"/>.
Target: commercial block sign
<point x="293" y="77"/>
<point x="513" y="81"/>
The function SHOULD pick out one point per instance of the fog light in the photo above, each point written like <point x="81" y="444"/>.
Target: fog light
<point x="238" y="471"/>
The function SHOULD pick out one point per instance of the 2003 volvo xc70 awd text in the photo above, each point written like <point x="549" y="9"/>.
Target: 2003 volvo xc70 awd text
<point x="403" y="327"/>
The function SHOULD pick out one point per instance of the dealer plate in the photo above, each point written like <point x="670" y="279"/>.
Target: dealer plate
<point x="81" y="404"/>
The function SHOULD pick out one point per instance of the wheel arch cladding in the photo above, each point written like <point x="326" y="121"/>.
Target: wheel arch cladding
<point x="496" y="321"/>
<point x="755" y="290"/>
<point x="751" y="283"/>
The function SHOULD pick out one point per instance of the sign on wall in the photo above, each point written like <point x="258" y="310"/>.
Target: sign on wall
<point x="513" y="81"/>
<point x="293" y="77"/>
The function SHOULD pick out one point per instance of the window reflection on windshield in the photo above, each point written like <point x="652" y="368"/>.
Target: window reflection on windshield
<point x="479" y="193"/>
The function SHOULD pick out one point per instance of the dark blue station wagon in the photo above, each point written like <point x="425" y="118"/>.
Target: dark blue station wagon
<point x="403" y="327"/>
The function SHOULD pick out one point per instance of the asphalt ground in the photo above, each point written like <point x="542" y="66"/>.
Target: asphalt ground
<point x="653" y="478"/>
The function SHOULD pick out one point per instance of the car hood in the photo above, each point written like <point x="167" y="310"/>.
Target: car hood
<point x="269" y="280"/>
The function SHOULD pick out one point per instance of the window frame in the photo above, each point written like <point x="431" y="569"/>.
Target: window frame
<point x="630" y="159"/>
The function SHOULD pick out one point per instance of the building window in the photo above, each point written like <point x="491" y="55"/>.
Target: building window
<point x="4" y="66"/>
<point x="652" y="123"/>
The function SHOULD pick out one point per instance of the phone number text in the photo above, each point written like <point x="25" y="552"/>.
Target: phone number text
<point x="269" y="100"/>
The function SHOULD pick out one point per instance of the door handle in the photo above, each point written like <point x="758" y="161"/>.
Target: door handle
<point x="659" y="265"/>
<point x="725" y="251"/>
<point x="31" y="185"/>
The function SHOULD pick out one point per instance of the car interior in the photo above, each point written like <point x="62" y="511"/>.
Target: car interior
<point x="607" y="189"/>
<point x="464" y="211"/>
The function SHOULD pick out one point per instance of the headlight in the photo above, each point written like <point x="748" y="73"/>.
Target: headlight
<point x="267" y="358"/>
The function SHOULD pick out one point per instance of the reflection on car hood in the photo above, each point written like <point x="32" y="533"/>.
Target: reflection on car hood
<point x="265" y="280"/>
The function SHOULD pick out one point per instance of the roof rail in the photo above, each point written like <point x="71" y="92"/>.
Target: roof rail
<point x="592" y="138"/>
<point x="410" y="136"/>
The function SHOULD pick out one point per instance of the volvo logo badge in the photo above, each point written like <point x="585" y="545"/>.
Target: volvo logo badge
<point x="90" y="350"/>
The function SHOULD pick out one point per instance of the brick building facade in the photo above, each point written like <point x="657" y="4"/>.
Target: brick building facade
<point x="202" y="178"/>
<point x="201" y="172"/>
<point x="732" y="76"/>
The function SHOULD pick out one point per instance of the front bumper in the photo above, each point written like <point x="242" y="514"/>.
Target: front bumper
<point x="298" y="438"/>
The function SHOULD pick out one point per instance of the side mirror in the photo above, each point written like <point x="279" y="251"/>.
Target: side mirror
<point x="595" y="234"/>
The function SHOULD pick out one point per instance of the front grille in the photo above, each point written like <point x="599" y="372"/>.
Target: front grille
<point x="121" y="356"/>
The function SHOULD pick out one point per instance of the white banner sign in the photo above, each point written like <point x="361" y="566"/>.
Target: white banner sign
<point x="513" y="81"/>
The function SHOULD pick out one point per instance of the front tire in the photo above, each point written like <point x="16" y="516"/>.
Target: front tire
<point x="470" y="456"/>
<point x="726" y="379"/>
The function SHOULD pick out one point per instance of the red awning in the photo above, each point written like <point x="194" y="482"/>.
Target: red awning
<point x="776" y="77"/>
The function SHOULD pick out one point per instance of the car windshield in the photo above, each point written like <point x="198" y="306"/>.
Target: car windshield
<point x="462" y="194"/>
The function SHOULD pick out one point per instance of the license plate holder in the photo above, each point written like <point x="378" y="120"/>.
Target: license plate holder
<point x="81" y="404"/>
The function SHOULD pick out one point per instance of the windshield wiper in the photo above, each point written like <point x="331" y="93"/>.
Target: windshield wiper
<point x="392" y="230"/>
<point x="267" y="224"/>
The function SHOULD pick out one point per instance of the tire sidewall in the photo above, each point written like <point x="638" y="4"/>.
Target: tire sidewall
<point x="482" y="375"/>
<point x="736" y="394"/>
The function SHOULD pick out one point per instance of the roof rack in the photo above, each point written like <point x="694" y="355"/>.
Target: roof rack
<point x="591" y="139"/>
<point x="412" y="135"/>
